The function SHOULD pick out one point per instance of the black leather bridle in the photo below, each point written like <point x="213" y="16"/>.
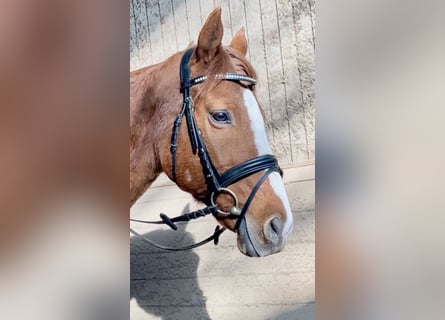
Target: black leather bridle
<point x="217" y="184"/>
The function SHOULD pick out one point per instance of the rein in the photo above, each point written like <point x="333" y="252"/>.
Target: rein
<point x="217" y="184"/>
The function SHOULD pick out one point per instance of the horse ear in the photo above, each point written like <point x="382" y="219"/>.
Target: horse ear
<point x="239" y="41"/>
<point x="210" y="37"/>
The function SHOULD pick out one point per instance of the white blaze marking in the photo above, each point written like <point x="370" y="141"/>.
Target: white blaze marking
<point x="263" y="147"/>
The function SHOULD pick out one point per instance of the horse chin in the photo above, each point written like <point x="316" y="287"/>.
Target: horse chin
<point x="245" y="244"/>
<point x="250" y="245"/>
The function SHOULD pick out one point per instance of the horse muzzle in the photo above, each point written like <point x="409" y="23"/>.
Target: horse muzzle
<point x="254" y="241"/>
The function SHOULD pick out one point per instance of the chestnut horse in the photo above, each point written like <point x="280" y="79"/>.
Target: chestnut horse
<point x="231" y="127"/>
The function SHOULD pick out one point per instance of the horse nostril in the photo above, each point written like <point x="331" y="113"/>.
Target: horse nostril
<point x="272" y="230"/>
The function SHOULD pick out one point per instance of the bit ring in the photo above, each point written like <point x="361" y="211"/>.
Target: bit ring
<point x="215" y="194"/>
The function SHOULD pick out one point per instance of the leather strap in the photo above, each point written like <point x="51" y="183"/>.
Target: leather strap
<point x="214" y="237"/>
<point x="251" y="196"/>
<point x="248" y="168"/>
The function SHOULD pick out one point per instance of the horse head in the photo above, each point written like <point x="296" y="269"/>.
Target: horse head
<point x="231" y="123"/>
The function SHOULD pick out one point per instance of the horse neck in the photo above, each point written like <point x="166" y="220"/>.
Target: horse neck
<point x="154" y="102"/>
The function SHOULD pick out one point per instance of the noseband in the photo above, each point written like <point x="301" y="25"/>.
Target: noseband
<point x="217" y="184"/>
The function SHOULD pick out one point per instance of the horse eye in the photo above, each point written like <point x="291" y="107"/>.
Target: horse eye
<point x="221" y="117"/>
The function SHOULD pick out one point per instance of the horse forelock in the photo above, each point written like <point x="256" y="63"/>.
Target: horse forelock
<point x="241" y="64"/>
<point x="227" y="60"/>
